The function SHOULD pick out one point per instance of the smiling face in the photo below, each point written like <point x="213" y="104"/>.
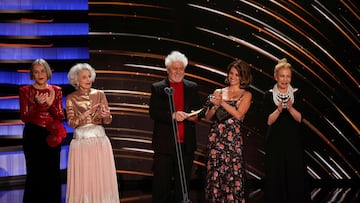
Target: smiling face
<point x="176" y="71"/>
<point x="39" y="74"/>
<point x="84" y="79"/>
<point x="283" y="78"/>
<point x="233" y="77"/>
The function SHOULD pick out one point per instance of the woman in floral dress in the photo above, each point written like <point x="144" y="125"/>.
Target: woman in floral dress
<point x="225" y="166"/>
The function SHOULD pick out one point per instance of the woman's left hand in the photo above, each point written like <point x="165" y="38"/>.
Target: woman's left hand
<point x="289" y="105"/>
<point x="105" y="112"/>
<point x="51" y="97"/>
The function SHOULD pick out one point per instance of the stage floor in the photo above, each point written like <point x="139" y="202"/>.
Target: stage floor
<point x="142" y="194"/>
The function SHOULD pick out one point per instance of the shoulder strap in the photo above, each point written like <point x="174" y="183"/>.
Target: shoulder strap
<point x="242" y="94"/>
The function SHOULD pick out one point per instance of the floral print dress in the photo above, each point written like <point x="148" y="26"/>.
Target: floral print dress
<point x="225" y="166"/>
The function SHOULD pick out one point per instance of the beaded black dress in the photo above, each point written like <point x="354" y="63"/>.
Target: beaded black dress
<point x="285" y="172"/>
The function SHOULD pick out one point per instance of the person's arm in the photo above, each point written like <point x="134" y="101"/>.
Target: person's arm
<point x="215" y="101"/>
<point x="243" y="106"/>
<point x="75" y="118"/>
<point x="27" y="105"/>
<point x="209" y="115"/>
<point x="70" y="113"/>
<point x="275" y="114"/>
<point x="56" y="109"/>
<point x="103" y="114"/>
<point x="294" y="113"/>
<point x="159" y="108"/>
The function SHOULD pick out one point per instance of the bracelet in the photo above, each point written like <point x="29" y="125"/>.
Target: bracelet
<point x="278" y="110"/>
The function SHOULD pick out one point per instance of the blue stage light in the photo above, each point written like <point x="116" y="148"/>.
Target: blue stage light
<point x="44" y="5"/>
<point x="12" y="163"/>
<point x="51" y="53"/>
<point x="16" y="130"/>
<point x="44" y="29"/>
<point x="23" y="78"/>
<point x="13" y="103"/>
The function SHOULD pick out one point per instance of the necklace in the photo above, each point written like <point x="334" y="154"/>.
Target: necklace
<point x="279" y="97"/>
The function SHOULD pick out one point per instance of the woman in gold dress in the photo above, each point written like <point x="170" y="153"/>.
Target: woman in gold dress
<point x="91" y="175"/>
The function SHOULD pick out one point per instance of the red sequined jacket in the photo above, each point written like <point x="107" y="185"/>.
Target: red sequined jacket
<point x="40" y="114"/>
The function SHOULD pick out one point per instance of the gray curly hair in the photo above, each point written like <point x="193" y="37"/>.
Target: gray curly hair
<point x="176" y="56"/>
<point x="74" y="71"/>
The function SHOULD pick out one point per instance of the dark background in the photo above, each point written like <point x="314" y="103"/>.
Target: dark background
<point x="128" y="41"/>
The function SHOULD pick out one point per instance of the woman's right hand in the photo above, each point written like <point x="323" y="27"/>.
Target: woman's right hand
<point x="217" y="98"/>
<point x="41" y="98"/>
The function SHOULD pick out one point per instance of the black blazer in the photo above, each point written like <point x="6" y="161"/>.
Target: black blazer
<point x="163" y="136"/>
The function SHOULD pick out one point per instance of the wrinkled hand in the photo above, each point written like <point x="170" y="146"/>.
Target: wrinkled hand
<point x="289" y="104"/>
<point x="180" y="116"/>
<point x="47" y="98"/>
<point x="94" y="108"/>
<point x="105" y="112"/>
<point x="41" y="98"/>
<point x="50" y="99"/>
<point x="91" y="111"/>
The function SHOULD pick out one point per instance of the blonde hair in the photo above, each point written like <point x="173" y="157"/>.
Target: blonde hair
<point x="44" y="64"/>
<point x="282" y="63"/>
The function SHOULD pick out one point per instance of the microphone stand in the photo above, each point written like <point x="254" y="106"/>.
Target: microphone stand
<point x="170" y="92"/>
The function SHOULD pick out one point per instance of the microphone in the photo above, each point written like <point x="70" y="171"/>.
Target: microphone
<point x="169" y="90"/>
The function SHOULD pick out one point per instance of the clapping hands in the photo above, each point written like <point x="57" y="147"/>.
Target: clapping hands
<point x="105" y="112"/>
<point x="216" y="98"/>
<point x="97" y="111"/>
<point x="47" y="98"/>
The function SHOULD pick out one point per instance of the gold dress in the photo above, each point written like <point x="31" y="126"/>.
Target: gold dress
<point x="91" y="173"/>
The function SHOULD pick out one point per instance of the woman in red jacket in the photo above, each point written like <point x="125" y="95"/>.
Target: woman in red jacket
<point x="41" y="110"/>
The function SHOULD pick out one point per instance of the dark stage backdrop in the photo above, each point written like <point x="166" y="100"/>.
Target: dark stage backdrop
<point x="127" y="41"/>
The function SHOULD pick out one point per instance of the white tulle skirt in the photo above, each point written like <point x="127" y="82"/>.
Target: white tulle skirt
<point x="91" y="173"/>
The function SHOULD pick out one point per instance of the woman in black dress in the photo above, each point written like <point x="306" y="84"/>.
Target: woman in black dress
<point x="284" y="160"/>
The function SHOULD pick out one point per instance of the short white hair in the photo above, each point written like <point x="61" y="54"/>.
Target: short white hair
<point x="176" y="56"/>
<point x="74" y="71"/>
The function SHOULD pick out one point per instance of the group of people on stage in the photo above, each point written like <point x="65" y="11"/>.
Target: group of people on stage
<point x="285" y="173"/>
<point x="91" y="173"/>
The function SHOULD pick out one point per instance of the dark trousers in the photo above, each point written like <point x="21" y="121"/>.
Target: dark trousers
<point x="43" y="178"/>
<point x="166" y="175"/>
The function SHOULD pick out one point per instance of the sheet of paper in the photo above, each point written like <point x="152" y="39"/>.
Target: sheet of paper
<point x="195" y="112"/>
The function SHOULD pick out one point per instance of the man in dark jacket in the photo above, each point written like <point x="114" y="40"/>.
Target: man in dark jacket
<point x="186" y="99"/>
